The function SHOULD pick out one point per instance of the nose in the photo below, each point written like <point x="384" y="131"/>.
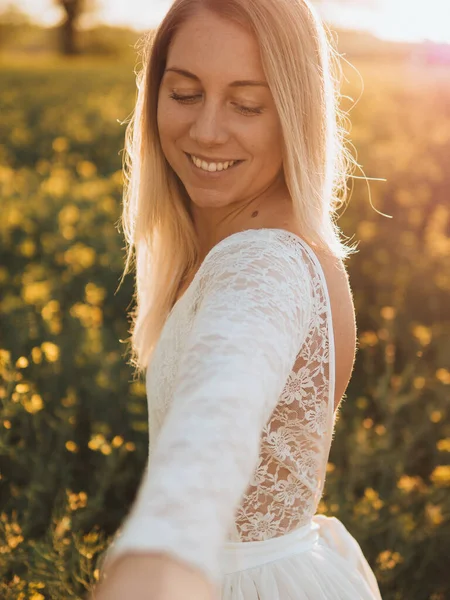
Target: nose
<point x="208" y="128"/>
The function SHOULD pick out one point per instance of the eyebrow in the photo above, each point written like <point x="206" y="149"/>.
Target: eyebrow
<point x="242" y="83"/>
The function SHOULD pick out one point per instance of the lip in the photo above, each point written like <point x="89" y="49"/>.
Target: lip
<point x="210" y="174"/>
<point x="210" y="160"/>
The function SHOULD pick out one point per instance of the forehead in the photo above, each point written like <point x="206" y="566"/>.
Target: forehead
<point x="208" y="45"/>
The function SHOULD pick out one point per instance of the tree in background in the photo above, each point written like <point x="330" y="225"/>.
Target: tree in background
<point x="73" y="10"/>
<point x="12" y="20"/>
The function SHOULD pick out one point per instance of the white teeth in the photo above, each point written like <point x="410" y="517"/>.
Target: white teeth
<point x="211" y="167"/>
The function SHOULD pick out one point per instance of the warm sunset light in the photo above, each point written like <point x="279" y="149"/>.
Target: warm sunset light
<point x="249" y="282"/>
<point x="402" y="20"/>
<point x="414" y="19"/>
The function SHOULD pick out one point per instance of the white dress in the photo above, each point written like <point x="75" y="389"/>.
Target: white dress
<point x="241" y="419"/>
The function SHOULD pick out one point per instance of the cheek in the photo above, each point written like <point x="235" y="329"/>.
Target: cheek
<point x="166" y="133"/>
<point x="165" y="123"/>
<point x="169" y="122"/>
<point x="267" y="142"/>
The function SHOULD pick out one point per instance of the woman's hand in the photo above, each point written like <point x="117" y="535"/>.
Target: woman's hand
<point x="152" y="576"/>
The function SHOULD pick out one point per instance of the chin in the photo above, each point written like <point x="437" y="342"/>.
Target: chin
<point x="205" y="198"/>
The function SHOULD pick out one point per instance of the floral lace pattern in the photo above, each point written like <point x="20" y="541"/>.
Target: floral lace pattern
<point x="240" y="403"/>
<point x="288" y="483"/>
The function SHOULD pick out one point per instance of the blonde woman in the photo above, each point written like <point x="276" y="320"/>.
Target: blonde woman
<point x="245" y="325"/>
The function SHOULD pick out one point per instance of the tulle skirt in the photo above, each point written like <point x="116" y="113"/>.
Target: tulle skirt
<point x="319" y="561"/>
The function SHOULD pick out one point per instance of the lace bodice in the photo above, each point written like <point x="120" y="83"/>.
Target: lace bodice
<point x="240" y="404"/>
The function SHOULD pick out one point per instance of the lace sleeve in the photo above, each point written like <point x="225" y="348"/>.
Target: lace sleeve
<point x="253" y="312"/>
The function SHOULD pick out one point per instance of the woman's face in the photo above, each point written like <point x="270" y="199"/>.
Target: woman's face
<point x="213" y="116"/>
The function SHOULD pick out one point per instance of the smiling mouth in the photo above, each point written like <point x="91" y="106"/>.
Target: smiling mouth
<point x="235" y="164"/>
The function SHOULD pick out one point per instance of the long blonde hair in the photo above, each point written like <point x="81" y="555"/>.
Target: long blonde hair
<point x="303" y="71"/>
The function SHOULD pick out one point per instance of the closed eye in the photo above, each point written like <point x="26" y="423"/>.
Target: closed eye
<point x="189" y="99"/>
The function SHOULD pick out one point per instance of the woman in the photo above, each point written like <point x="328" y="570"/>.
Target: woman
<point x="246" y="334"/>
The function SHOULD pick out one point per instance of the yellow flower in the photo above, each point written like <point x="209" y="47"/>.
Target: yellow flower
<point x="443" y="445"/>
<point x="423" y="334"/>
<point x="388" y="560"/>
<point x="13" y="533"/>
<point x="71" y="446"/>
<point x="79" y="257"/>
<point x="60" y="144"/>
<point x="22" y="388"/>
<point x="27" y="248"/>
<point x="22" y="362"/>
<point x="58" y="184"/>
<point x="63" y="526"/>
<point x="86" y="169"/>
<point x="374" y="498"/>
<point x="76" y="501"/>
<point x="117" y="441"/>
<point x="368" y="338"/>
<point x="94" y="294"/>
<point x="443" y="375"/>
<point x="434" y="513"/>
<point x="419" y="382"/>
<point x="36" y="355"/>
<point x="369" y="504"/>
<point x="436" y="416"/>
<point x="97" y="441"/>
<point x="37" y="292"/>
<point x="90" y="316"/>
<point x="50" y="310"/>
<point x="34" y="405"/>
<point x="441" y="476"/>
<point x="408" y="484"/>
<point x="68" y="215"/>
<point x="388" y="313"/>
<point x="51" y="351"/>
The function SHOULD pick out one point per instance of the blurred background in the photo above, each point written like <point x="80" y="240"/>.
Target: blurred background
<point x="73" y="427"/>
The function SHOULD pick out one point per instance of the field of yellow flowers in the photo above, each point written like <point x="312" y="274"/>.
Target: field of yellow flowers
<point x="73" y="427"/>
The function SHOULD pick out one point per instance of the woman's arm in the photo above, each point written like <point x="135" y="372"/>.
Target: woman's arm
<point x="153" y="576"/>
